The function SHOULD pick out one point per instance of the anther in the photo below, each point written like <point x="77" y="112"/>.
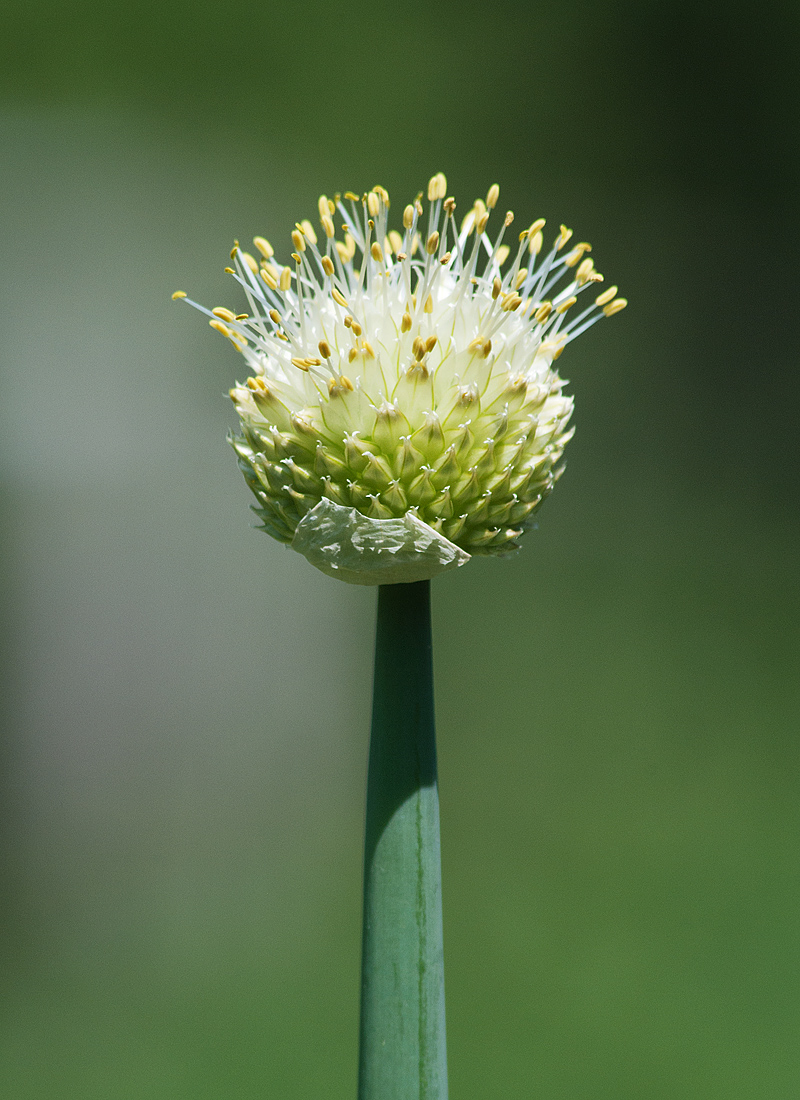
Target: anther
<point x="274" y="316"/>
<point x="543" y="312"/>
<point x="286" y="278"/>
<point x="405" y="323"/>
<point x="536" y="242"/>
<point x="508" y="218"/>
<point x="324" y="349"/>
<point x="327" y="265"/>
<point x="577" y="253"/>
<point x="373" y="204"/>
<point x="301" y="364"/>
<point x="563" y="236"/>
<point x="298" y="240"/>
<point x="327" y="225"/>
<point x="502" y="254"/>
<point x="615" y="306"/>
<point x="250" y="261"/>
<point x="607" y="296"/>
<point x="229" y="271"/>
<point x="322" y="206"/>
<point x="431" y="343"/>
<point x="308" y="230"/>
<point x="178" y="294"/>
<point x="264" y="247"/>
<point x="375" y="250"/>
<point x="428" y="307"/>
<point x="339" y="298"/>
<point x="566" y="305"/>
<point x="408" y="216"/>
<point x="432" y="243"/>
<point x="396" y="242"/>
<point x="357" y="329"/>
<point x="497" y="286"/>
<point x="418" y="347"/>
<point x="269" y="279"/>
<point x="223" y="314"/>
<point x="486" y="349"/>
<point x="492" y="196"/>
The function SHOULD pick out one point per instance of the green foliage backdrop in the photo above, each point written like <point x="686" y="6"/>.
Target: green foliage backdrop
<point x="186" y="703"/>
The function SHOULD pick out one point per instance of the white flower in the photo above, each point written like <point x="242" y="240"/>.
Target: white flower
<point x="407" y="374"/>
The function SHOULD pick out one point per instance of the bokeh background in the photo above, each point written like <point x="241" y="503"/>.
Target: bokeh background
<point x="186" y="702"/>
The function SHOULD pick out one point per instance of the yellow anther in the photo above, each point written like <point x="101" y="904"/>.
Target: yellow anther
<point x="543" y="312"/>
<point x="432" y="243"/>
<point x="308" y="230"/>
<point x="373" y="204"/>
<point x="339" y="298"/>
<point x="322" y="206"/>
<point x="348" y="321"/>
<point x="508" y="218"/>
<point x="301" y="364"/>
<point x="327" y="225"/>
<point x="405" y="323"/>
<point x="350" y="245"/>
<point x="492" y="196"/>
<point x="178" y="294"/>
<point x="585" y="270"/>
<point x="577" y="252"/>
<point x="327" y="265"/>
<point x="368" y="350"/>
<point x="607" y="296"/>
<point x="232" y="395"/>
<point x="269" y="278"/>
<point x="352" y="196"/>
<point x="418" y="347"/>
<point x="223" y="314"/>
<point x="502" y="254"/>
<point x="286" y="278"/>
<point x="352" y="353"/>
<point x="445" y="260"/>
<point x="480" y="225"/>
<point x="566" y="305"/>
<point x="356" y="327"/>
<point x="437" y="187"/>
<point x="345" y="382"/>
<point x="536" y="227"/>
<point x="497" y="286"/>
<point x="562" y="238"/>
<point x="375" y="249"/>
<point x="522" y="275"/>
<point x="450" y="206"/>
<point x="298" y="240"/>
<point x="428" y="307"/>
<point x="476" y="344"/>
<point x="371" y="224"/>
<point x="431" y="343"/>
<point x="324" y="349"/>
<point x="264" y="247"/>
<point x="396" y="242"/>
<point x="511" y="302"/>
<point x="218" y="325"/>
<point x="383" y="193"/>
<point x="242" y="316"/>
<point x="250" y="261"/>
<point x="536" y="242"/>
<point x="333" y="387"/>
<point x="229" y="271"/>
<point x="313" y="361"/>
<point x="408" y="216"/>
<point x="615" y="306"/>
<point x="298" y="259"/>
<point x="235" y="249"/>
<point x="274" y="316"/>
<point x="486" y="349"/>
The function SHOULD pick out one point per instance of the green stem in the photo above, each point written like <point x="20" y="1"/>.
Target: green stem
<point x="402" y="1049"/>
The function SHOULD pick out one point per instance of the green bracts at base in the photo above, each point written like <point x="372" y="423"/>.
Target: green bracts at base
<point x="402" y="1042"/>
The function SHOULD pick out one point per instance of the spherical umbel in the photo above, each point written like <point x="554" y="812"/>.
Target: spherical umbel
<point x="408" y="374"/>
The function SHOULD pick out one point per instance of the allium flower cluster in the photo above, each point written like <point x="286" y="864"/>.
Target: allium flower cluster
<point x="408" y="373"/>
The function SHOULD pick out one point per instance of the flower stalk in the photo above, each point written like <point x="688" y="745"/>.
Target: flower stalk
<point x="402" y="1037"/>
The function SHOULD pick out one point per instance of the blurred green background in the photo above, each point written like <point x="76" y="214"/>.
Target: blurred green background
<point x="186" y="702"/>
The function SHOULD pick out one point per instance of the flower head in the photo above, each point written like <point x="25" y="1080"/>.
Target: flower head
<point x="408" y="375"/>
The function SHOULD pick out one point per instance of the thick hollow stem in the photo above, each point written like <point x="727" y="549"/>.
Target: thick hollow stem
<point x="402" y="1049"/>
